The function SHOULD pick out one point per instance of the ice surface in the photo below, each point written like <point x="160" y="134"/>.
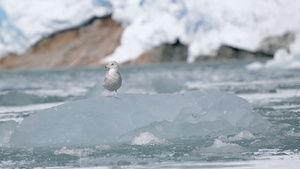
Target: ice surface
<point x="6" y="129"/>
<point x="101" y="120"/>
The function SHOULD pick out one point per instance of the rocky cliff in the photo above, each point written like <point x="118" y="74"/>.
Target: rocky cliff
<point x="83" y="46"/>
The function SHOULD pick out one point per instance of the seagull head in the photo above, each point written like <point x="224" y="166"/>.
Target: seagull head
<point x="112" y="65"/>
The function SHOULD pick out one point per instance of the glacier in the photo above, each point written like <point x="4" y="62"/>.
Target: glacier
<point x="203" y="25"/>
<point x="138" y="119"/>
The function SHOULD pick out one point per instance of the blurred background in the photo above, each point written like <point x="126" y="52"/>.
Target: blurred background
<point x="74" y="33"/>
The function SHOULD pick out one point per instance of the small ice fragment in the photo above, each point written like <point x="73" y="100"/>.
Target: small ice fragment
<point x="147" y="138"/>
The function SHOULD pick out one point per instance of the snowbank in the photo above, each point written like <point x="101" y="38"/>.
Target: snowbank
<point x="162" y="116"/>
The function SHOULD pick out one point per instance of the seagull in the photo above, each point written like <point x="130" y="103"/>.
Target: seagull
<point x="113" y="79"/>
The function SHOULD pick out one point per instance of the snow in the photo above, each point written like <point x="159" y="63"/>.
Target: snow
<point x="202" y="25"/>
<point x="140" y="119"/>
<point x="23" y="23"/>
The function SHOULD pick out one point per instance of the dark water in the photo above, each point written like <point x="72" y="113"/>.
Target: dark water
<point x="274" y="93"/>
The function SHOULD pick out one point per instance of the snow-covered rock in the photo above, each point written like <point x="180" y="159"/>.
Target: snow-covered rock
<point x="283" y="58"/>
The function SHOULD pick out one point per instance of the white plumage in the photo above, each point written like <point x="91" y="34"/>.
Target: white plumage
<point x="113" y="79"/>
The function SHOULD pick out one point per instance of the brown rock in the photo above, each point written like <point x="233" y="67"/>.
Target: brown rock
<point x="6" y="61"/>
<point x="230" y="52"/>
<point x="176" y="52"/>
<point x="83" y="46"/>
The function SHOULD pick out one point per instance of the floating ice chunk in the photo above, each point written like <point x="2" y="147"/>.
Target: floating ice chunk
<point x="243" y="135"/>
<point x="292" y="133"/>
<point x="222" y="147"/>
<point x="254" y="66"/>
<point x="219" y="147"/>
<point x="103" y="147"/>
<point x="74" y="152"/>
<point x="218" y="143"/>
<point x="6" y="130"/>
<point x="100" y="120"/>
<point x="147" y="139"/>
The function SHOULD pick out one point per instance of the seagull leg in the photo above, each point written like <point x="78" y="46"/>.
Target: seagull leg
<point x="116" y="95"/>
<point x="108" y="94"/>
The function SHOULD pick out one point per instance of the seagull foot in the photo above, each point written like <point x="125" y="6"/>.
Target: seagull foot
<point x="112" y="97"/>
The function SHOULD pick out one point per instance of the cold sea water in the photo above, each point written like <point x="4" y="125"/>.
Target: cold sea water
<point x="274" y="93"/>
